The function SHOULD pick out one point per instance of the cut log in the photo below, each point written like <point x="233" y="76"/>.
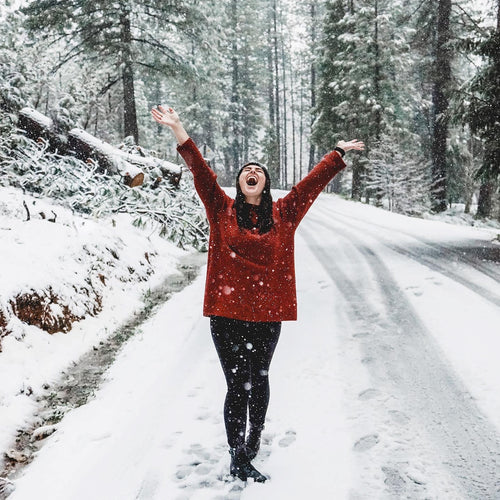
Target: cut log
<point x="35" y="124"/>
<point x="115" y="160"/>
<point x="85" y="146"/>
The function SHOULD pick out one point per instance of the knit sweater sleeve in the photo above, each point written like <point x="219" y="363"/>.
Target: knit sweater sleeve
<point x="297" y="202"/>
<point x="205" y="179"/>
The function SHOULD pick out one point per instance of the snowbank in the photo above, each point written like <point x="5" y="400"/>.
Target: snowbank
<point x="62" y="274"/>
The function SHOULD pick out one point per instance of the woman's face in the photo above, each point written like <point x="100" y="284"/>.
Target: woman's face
<point x="252" y="182"/>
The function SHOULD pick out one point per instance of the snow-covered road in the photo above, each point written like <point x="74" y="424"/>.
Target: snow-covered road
<point x="386" y="387"/>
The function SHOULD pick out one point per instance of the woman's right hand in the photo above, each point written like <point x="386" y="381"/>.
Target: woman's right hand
<point x="166" y="116"/>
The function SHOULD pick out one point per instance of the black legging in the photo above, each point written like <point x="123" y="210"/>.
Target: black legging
<point x="245" y="351"/>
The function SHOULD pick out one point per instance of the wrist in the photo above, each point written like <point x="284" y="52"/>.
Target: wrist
<point x="339" y="150"/>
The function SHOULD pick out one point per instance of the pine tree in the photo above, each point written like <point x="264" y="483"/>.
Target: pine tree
<point x="330" y="119"/>
<point x="484" y="117"/>
<point x="125" y="36"/>
<point x="364" y="60"/>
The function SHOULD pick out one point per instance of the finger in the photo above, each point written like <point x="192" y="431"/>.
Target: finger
<point x="157" y="117"/>
<point x="162" y="109"/>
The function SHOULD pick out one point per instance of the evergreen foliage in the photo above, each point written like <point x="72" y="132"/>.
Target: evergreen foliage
<point x="125" y="36"/>
<point x="261" y="79"/>
<point x="398" y="178"/>
<point x="364" y="60"/>
<point x="176" y="213"/>
<point x="484" y="112"/>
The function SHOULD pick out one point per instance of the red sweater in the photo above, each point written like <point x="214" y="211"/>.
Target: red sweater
<point x="251" y="276"/>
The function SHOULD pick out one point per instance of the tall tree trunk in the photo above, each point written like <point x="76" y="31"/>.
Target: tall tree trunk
<point x="273" y="162"/>
<point x="485" y="200"/>
<point x="377" y="76"/>
<point x="285" y="118"/>
<point x="235" y="146"/>
<point x="245" y="118"/>
<point x="488" y="184"/>
<point x="442" y="79"/>
<point x="312" y="147"/>
<point x="301" y="130"/>
<point x="270" y="85"/>
<point x="276" y="87"/>
<point x="358" y="174"/>
<point x="357" y="179"/>
<point x="378" y="97"/>
<point x="292" y="106"/>
<point x="129" y="111"/>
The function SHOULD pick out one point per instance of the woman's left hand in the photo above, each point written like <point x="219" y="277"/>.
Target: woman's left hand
<point x="354" y="144"/>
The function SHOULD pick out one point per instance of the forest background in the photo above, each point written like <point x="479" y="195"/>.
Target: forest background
<point x="277" y="81"/>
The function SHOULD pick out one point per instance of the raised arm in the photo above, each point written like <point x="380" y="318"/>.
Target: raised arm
<point x="205" y="179"/>
<point x="297" y="202"/>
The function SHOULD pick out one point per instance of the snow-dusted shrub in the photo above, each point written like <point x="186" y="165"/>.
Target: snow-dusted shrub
<point x="397" y="179"/>
<point x="87" y="188"/>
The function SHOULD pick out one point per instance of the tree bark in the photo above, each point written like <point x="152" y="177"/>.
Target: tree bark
<point x="485" y="200"/>
<point x="440" y="119"/>
<point x="276" y="87"/>
<point x="357" y="179"/>
<point x="129" y="110"/>
<point x="292" y="110"/>
<point x="235" y="145"/>
<point x="273" y="161"/>
<point x="285" y="118"/>
<point x="312" y="147"/>
<point x="377" y="77"/>
<point x="488" y="184"/>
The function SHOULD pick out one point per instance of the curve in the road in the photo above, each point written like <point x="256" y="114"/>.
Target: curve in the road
<point x="426" y="255"/>
<point x="405" y="360"/>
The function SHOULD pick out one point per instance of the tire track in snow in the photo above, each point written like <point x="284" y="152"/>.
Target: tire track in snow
<point x="427" y="255"/>
<point x="473" y="256"/>
<point x="404" y="361"/>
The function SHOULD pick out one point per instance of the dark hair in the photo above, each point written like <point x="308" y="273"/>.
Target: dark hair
<point x="265" y="210"/>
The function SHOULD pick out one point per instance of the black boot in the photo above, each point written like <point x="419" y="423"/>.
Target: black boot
<point x="241" y="466"/>
<point x="253" y="441"/>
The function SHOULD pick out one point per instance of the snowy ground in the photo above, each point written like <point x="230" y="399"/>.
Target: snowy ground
<point x="386" y="387"/>
<point x="66" y="256"/>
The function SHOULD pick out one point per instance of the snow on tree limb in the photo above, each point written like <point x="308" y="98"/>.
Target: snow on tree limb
<point x="85" y="146"/>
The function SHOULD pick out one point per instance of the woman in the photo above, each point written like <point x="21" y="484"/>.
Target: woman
<point x="250" y="285"/>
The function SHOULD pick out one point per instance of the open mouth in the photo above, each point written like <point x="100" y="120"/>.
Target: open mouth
<point x="251" y="180"/>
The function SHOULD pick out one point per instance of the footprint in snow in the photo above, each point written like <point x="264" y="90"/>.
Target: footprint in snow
<point x="204" y="469"/>
<point x="415" y="290"/>
<point x="361" y="335"/>
<point x="366" y="442"/>
<point x="290" y="437"/>
<point x="399" y="417"/>
<point x="394" y="480"/>
<point x="203" y="416"/>
<point x="183" y="472"/>
<point x="369" y="394"/>
<point x="434" y="281"/>
<point x="199" y="452"/>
